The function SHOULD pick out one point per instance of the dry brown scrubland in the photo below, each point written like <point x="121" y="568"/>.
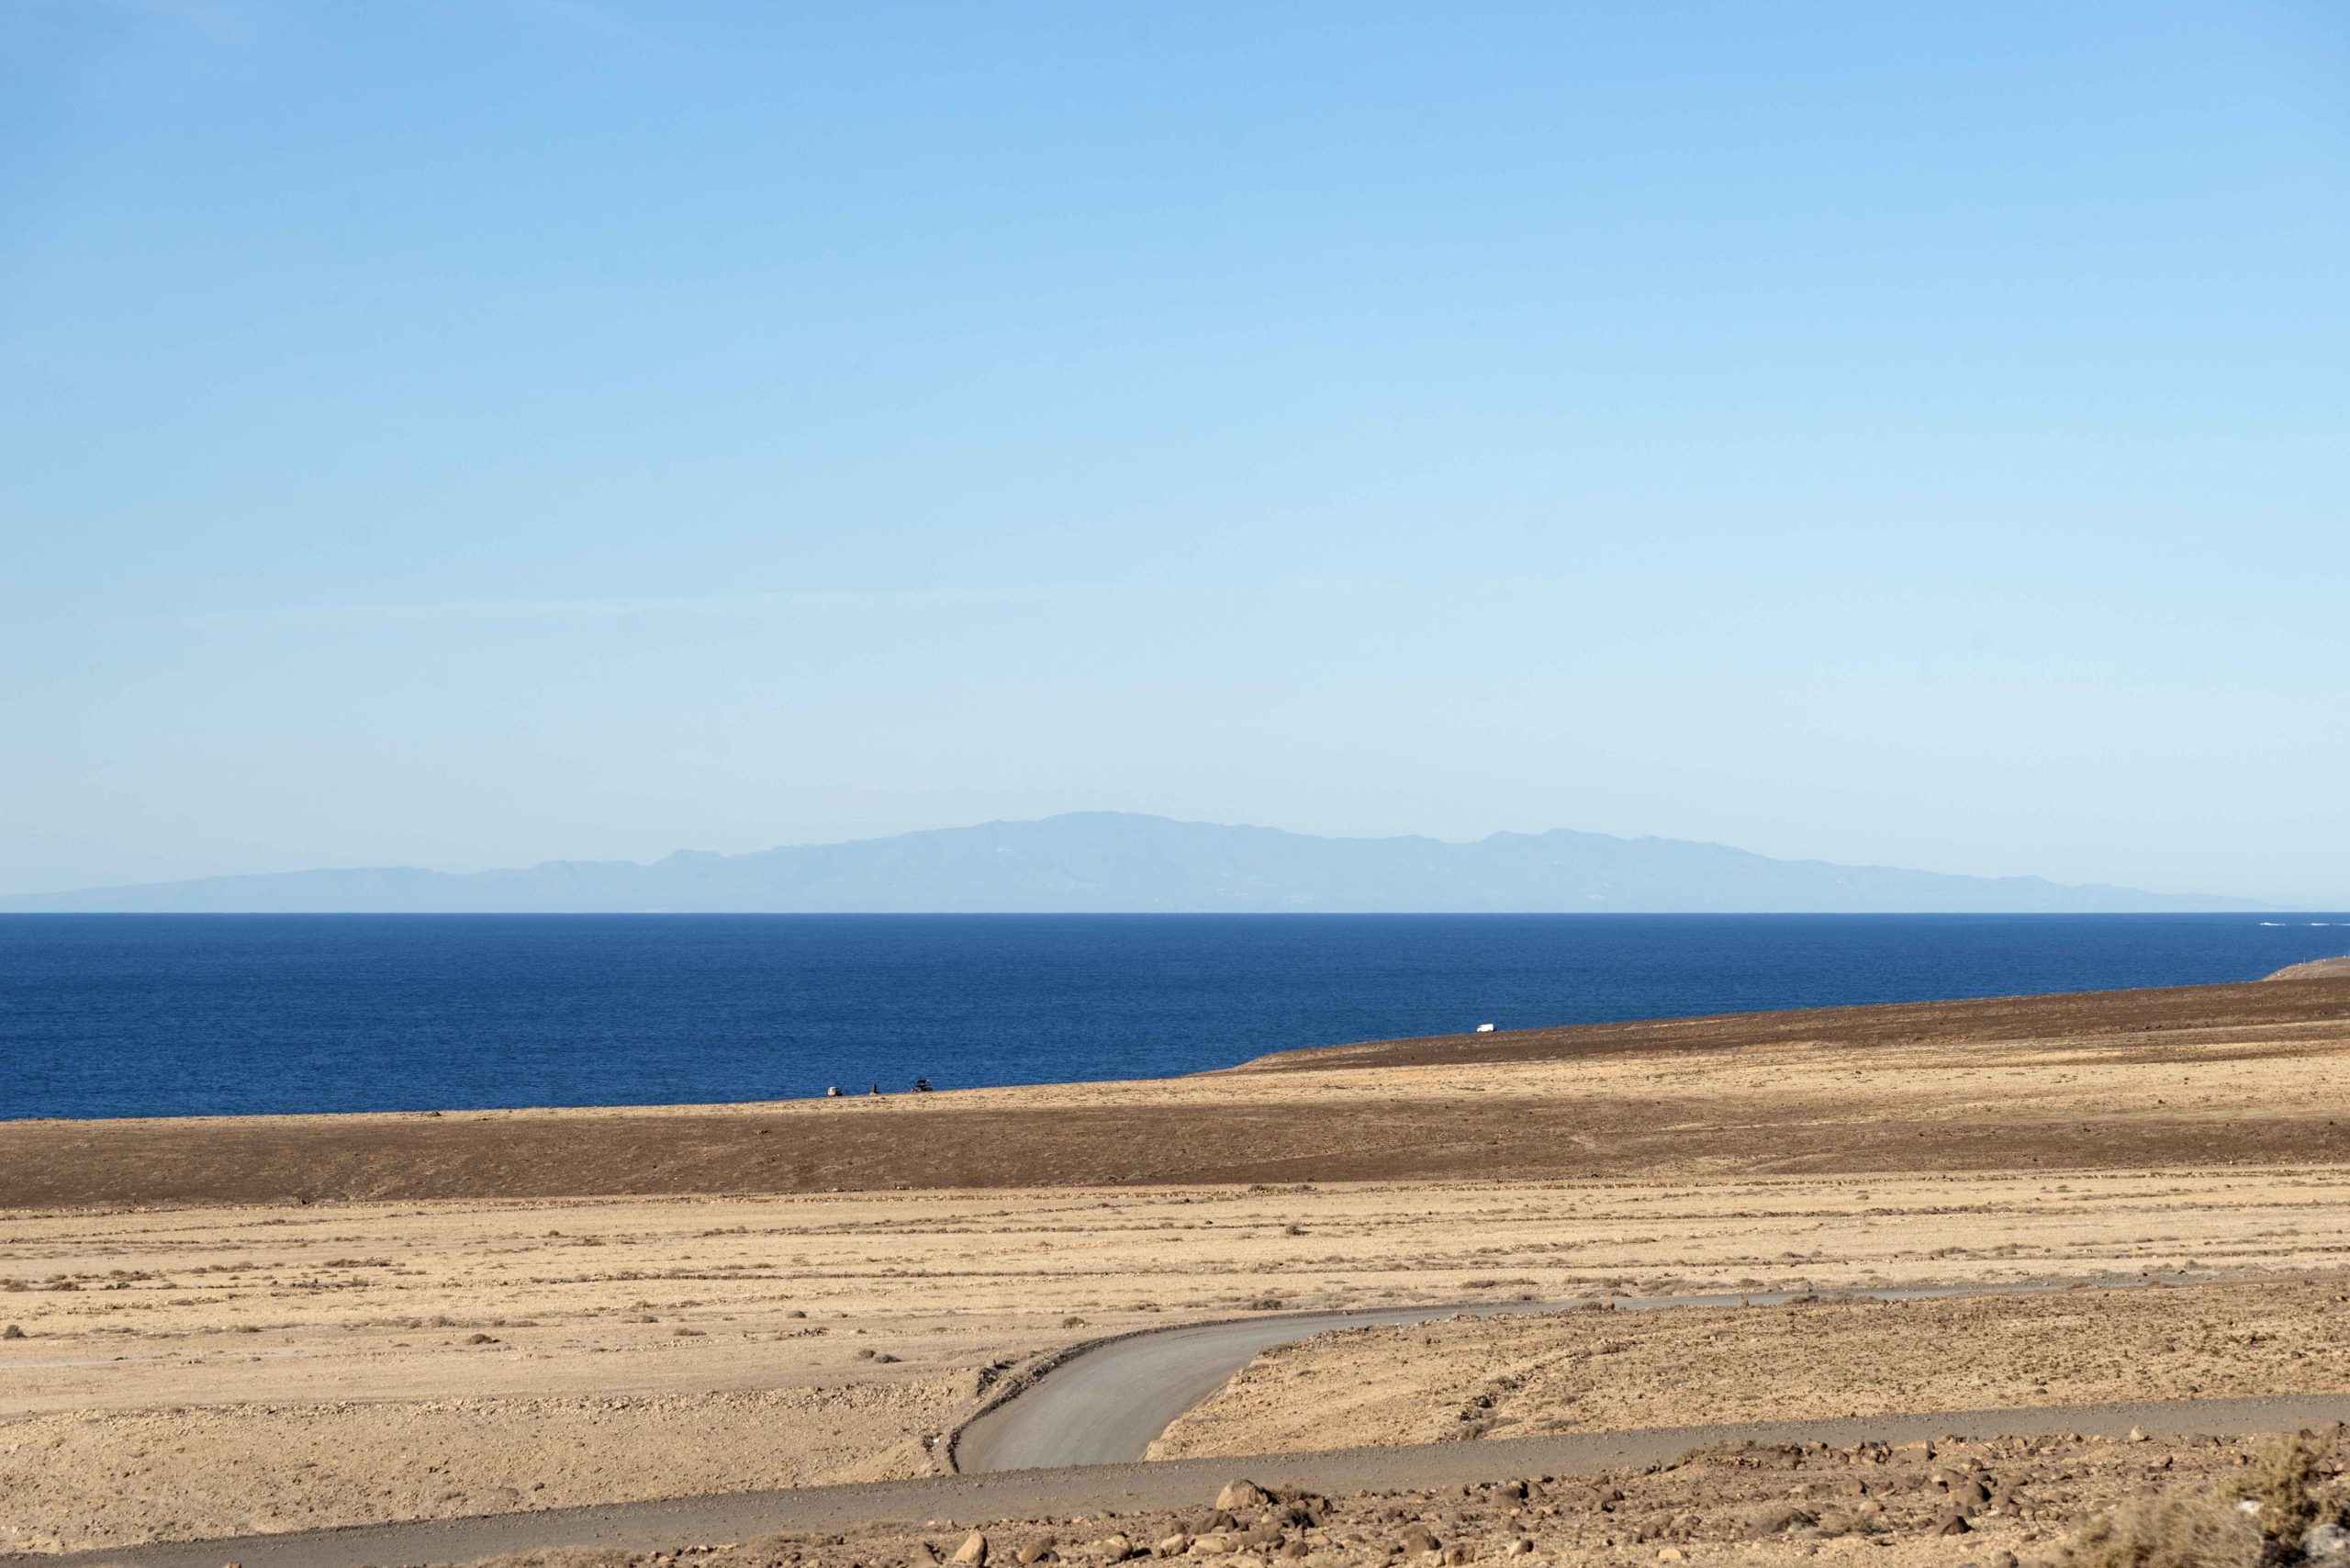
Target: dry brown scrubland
<point x="266" y="1325"/>
<point x="2195" y="1076"/>
<point x="2316" y="968"/>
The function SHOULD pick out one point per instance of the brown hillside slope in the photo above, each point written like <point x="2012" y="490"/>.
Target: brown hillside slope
<point x="2120" y="1018"/>
<point x="2192" y="1076"/>
<point x="2316" y="968"/>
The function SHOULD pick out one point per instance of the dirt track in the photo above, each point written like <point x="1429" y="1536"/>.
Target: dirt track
<point x="2054" y="1083"/>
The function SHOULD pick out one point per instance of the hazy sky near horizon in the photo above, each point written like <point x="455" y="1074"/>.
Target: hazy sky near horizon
<point x="467" y="434"/>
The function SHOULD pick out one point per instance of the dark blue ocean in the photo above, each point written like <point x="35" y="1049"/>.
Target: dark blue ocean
<point x="114" y="1016"/>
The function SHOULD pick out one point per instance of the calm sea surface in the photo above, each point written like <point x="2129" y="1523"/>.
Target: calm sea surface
<point x="112" y="1016"/>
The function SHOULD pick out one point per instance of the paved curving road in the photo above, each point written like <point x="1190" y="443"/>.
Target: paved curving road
<point x="1174" y="1483"/>
<point x="1068" y="1445"/>
<point x="1108" y="1405"/>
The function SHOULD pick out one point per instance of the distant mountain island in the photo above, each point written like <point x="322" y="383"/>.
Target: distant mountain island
<point x="1116" y="862"/>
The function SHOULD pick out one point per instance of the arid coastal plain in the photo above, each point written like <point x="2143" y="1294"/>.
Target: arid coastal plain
<point x="1985" y="1214"/>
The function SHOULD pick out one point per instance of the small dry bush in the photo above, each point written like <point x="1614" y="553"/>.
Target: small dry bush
<point x="2166" y="1532"/>
<point x="2214" y="1530"/>
<point x="2285" y="1482"/>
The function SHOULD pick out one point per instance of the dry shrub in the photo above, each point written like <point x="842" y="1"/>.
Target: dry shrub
<point x="2166" y="1531"/>
<point x="2215" y="1530"/>
<point x="2284" y="1480"/>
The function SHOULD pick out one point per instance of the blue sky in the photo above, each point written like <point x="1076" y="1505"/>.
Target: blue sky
<point x="467" y="434"/>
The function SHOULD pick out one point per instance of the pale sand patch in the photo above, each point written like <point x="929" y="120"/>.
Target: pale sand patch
<point x="81" y="1480"/>
<point x="1466" y="1378"/>
<point x="337" y="1336"/>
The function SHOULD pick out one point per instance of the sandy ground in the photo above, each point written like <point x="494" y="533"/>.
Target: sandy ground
<point x="274" y="1324"/>
<point x="1924" y="1505"/>
<point x="1467" y="1378"/>
<point x="188" y="1374"/>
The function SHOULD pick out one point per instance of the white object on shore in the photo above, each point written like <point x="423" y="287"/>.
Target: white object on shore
<point x="1485" y="1028"/>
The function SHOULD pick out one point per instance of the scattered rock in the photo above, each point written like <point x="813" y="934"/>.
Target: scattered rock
<point x="1036" y="1550"/>
<point x="1950" y="1524"/>
<point x="12" y="1332"/>
<point x="1671" y="1554"/>
<point x="1117" y="1548"/>
<point x="1776" y="1519"/>
<point x="2137" y="1435"/>
<point x="1174" y="1545"/>
<point x="973" y="1550"/>
<point x="1237" y="1494"/>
